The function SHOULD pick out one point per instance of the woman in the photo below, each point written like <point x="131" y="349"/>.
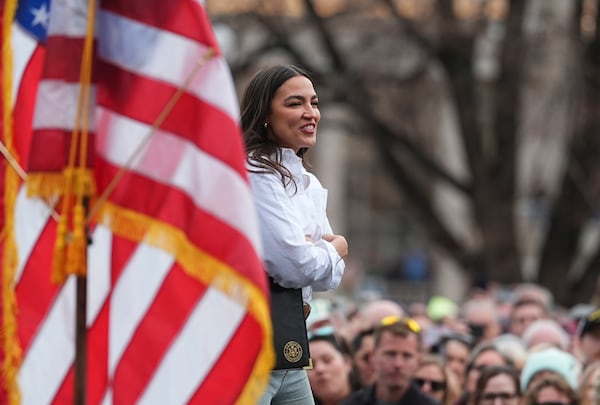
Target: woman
<point x="497" y="384"/>
<point x="433" y="379"/>
<point x="455" y="349"/>
<point x="550" y="389"/>
<point x="280" y="115"/>
<point x="362" y="346"/>
<point x="483" y="355"/>
<point x="330" y="377"/>
<point x="588" y="387"/>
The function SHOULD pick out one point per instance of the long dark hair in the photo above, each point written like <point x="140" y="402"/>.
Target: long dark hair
<point x="255" y="106"/>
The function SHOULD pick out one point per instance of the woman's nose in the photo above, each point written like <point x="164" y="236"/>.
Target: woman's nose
<point x="308" y="113"/>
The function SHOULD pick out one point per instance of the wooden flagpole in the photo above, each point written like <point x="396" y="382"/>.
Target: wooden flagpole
<point x="81" y="211"/>
<point x="80" y="366"/>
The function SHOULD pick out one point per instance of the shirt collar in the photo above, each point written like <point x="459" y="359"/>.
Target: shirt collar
<point x="292" y="161"/>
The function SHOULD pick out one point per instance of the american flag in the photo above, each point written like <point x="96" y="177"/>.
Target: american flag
<point x="177" y="298"/>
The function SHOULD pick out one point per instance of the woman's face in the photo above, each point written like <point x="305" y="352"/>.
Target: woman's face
<point x="485" y="359"/>
<point x="457" y="355"/>
<point x="363" y="360"/>
<point x="551" y="394"/>
<point x="499" y="389"/>
<point x="329" y="377"/>
<point x="294" y="114"/>
<point x="431" y="380"/>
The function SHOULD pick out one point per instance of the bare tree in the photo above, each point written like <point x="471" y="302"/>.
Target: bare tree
<point x="495" y="113"/>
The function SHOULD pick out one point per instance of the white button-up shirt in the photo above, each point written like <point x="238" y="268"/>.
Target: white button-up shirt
<point x="292" y="222"/>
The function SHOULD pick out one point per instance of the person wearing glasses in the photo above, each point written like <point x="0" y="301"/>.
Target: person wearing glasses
<point x="280" y="115"/>
<point x="497" y="385"/>
<point x="435" y="380"/>
<point x="483" y="355"/>
<point x="396" y="357"/>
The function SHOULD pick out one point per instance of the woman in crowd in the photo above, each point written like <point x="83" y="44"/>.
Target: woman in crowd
<point x="280" y="114"/>
<point x="550" y="389"/>
<point x="330" y="377"/>
<point x="589" y="385"/>
<point x="362" y="347"/>
<point x="455" y="349"/>
<point x="435" y="380"/>
<point x="497" y="384"/>
<point x="483" y="355"/>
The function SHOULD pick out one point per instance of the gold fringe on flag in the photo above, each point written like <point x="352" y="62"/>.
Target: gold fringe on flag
<point x="10" y="344"/>
<point x="50" y="185"/>
<point x="195" y="262"/>
<point x="205" y="268"/>
<point x="75" y="184"/>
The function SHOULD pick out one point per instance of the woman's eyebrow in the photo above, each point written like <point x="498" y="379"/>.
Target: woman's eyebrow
<point x="294" y="96"/>
<point x="300" y="97"/>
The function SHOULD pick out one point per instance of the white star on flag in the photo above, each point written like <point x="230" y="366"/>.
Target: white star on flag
<point x="40" y="16"/>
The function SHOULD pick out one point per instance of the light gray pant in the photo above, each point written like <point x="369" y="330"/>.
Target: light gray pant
<point x="288" y="387"/>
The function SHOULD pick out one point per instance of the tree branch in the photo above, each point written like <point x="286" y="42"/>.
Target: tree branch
<point x="336" y="57"/>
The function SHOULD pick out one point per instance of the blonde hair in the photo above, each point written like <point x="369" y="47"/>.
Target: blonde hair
<point x="587" y="378"/>
<point x="432" y="360"/>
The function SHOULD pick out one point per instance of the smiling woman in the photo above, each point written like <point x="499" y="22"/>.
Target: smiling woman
<point x="294" y="116"/>
<point x="280" y="115"/>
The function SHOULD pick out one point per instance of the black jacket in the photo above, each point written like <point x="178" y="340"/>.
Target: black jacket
<point x="413" y="396"/>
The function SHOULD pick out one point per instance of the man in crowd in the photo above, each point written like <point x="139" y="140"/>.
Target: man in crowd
<point x="481" y="315"/>
<point x="524" y="312"/>
<point x="548" y="332"/>
<point x="589" y="337"/>
<point x="398" y="348"/>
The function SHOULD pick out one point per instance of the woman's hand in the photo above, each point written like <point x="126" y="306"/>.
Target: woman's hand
<point x="338" y="242"/>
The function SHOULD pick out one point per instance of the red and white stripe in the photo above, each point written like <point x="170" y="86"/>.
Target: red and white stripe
<point x="157" y="334"/>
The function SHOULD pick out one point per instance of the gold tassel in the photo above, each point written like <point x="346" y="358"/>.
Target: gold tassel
<point x="59" y="275"/>
<point x="45" y="185"/>
<point x="76" y="250"/>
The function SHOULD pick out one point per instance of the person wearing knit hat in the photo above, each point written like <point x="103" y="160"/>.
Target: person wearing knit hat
<point x="547" y="361"/>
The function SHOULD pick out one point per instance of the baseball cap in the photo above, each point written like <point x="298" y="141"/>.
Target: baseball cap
<point x="552" y="359"/>
<point x="591" y="321"/>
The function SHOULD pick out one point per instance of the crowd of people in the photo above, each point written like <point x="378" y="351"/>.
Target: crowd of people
<point x="487" y="350"/>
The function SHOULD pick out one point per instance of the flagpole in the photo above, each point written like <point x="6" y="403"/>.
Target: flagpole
<point x="80" y="366"/>
<point x="81" y="342"/>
